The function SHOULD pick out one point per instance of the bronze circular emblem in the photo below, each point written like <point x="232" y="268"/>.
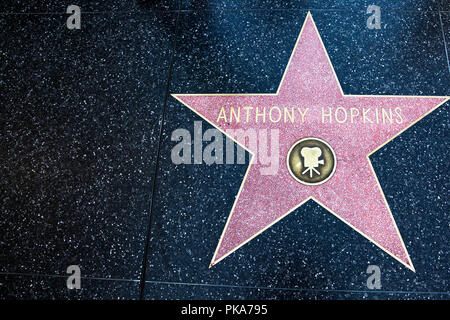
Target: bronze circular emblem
<point x="311" y="161"/>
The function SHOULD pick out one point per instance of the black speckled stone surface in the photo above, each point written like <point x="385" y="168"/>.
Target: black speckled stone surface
<point x="19" y="287"/>
<point x="354" y="5"/>
<point x="81" y="111"/>
<point x="88" y="6"/>
<point x="80" y="117"/>
<point x="393" y="60"/>
<point x="156" y="291"/>
<point x="309" y="249"/>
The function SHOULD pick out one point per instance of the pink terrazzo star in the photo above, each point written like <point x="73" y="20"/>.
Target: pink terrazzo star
<point x="353" y="193"/>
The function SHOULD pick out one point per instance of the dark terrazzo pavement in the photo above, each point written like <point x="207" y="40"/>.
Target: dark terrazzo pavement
<point x="18" y="287"/>
<point x="81" y="112"/>
<point x="88" y="6"/>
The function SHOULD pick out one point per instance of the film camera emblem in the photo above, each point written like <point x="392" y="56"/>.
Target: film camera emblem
<point x="311" y="161"/>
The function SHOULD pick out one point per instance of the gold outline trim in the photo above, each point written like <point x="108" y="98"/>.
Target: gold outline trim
<point x="213" y="261"/>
